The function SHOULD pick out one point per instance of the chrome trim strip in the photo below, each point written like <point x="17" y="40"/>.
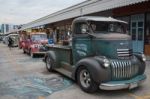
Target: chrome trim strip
<point x="117" y="69"/>
<point x="104" y="86"/>
<point x="122" y="53"/>
<point x="127" y="67"/>
<point x="118" y="86"/>
<point x="123" y="69"/>
<point x="113" y="69"/>
<point x="39" y="52"/>
<point x="123" y="49"/>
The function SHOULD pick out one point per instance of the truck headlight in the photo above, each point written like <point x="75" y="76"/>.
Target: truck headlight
<point x="34" y="46"/>
<point x="106" y="63"/>
<point x="143" y="57"/>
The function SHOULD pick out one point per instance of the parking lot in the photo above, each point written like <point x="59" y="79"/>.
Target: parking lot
<point x="23" y="77"/>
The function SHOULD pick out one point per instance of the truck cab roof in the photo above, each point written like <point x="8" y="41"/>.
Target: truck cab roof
<point x="97" y="18"/>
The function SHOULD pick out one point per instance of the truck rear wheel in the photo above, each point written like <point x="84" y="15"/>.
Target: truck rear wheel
<point x="49" y="64"/>
<point x="85" y="80"/>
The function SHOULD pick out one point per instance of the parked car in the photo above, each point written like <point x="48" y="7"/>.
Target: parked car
<point x="15" y="38"/>
<point x="100" y="56"/>
<point x="34" y="43"/>
<point x="5" y="40"/>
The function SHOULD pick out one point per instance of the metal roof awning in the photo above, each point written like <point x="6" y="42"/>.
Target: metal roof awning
<point x="84" y="8"/>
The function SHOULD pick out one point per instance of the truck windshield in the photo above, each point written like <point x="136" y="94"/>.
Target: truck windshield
<point x="37" y="37"/>
<point x="108" y="27"/>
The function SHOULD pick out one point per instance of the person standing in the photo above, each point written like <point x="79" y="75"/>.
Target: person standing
<point x="10" y="42"/>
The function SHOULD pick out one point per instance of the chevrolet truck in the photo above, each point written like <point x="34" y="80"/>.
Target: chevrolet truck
<point x="100" y="56"/>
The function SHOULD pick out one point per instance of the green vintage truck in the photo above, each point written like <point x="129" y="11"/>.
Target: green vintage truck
<point x="98" y="56"/>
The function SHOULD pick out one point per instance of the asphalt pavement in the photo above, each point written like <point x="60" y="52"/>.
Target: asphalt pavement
<point x="23" y="77"/>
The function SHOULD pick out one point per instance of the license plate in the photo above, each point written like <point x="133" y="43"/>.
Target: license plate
<point x="133" y="85"/>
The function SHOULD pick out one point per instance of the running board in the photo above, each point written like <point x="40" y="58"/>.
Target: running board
<point x="64" y="72"/>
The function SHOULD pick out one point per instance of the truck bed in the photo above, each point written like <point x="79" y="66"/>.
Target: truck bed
<point x="59" y="47"/>
<point x="63" y="53"/>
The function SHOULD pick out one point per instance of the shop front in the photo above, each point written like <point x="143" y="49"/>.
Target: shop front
<point x="147" y="34"/>
<point x="138" y="18"/>
<point x="137" y="32"/>
<point x="136" y="13"/>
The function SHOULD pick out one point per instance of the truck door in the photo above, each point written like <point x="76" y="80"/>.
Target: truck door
<point x="137" y="30"/>
<point x="81" y="43"/>
<point x="27" y="42"/>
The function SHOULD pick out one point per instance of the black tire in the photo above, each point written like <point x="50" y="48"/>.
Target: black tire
<point x="49" y="63"/>
<point x="31" y="54"/>
<point x="24" y="51"/>
<point x="91" y="86"/>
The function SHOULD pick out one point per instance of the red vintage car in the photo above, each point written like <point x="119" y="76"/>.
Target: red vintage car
<point x="34" y="44"/>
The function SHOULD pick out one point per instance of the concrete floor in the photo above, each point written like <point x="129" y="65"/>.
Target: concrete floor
<point x="17" y="68"/>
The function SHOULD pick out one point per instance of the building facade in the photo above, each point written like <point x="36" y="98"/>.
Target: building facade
<point x="135" y="12"/>
<point x="6" y="28"/>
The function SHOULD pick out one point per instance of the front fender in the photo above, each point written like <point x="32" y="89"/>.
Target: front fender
<point x="97" y="71"/>
<point x="50" y="54"/>
<point x="140" y="63"/>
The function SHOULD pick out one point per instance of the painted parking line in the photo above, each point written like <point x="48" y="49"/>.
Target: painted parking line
<point x="41" y="97"/>
<point x="146" y="96"/>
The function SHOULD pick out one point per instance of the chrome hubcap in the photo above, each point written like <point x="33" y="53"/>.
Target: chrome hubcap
<point x="85" y="78"/>
<point x="48" y="63"/>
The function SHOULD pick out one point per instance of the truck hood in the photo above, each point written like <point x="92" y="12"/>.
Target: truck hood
<point x="112" y="36"/>
<point x="112" y="48"/>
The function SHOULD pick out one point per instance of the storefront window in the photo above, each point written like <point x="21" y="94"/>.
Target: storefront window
<point x="147" y="36"/>
<point x="64" y="32"/>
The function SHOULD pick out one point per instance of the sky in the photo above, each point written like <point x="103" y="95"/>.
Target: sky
<point x="25" y="11"/>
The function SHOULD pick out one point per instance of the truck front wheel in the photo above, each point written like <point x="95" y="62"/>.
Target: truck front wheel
<point x="49" y="64"/>
<point x="24" y="51"/>
<point x="85" y="80"/>
<point x="31" y="53"/>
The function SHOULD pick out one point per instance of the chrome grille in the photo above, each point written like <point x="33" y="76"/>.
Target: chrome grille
<point x="124" y="53"/>
<point x="123" y="69"/>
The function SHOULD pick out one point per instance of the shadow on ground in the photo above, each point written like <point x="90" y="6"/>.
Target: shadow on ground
<point x="34" y="86"/>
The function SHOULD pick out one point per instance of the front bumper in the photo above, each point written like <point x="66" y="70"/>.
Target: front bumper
<point x="39" y="53"/>
<point x="125" y="84"/>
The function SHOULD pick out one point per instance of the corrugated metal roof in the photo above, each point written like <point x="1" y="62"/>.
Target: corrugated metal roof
<point x="103" y="5"/>
<point x="83" y="8"/>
